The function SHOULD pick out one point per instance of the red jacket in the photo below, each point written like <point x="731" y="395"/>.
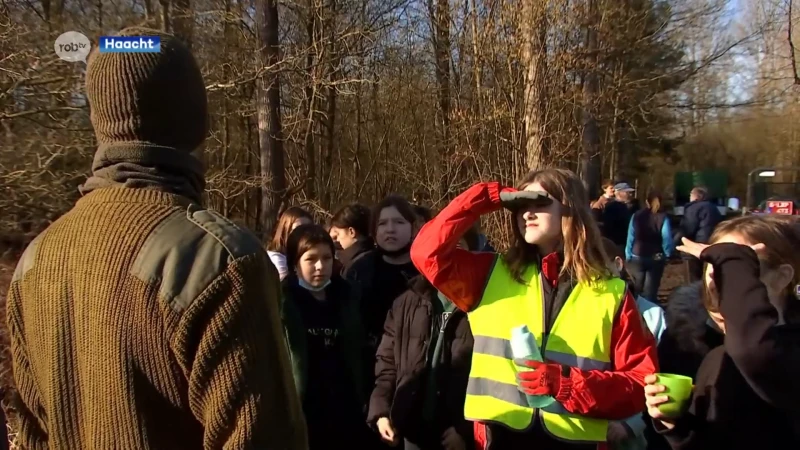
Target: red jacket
<point x="461" y="276"/>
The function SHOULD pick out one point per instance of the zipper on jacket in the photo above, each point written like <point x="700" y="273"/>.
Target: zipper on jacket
<point x="426" y="344"/>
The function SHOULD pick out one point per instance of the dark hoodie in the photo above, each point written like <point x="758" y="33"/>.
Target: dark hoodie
<point x="380" y="283"/>
<point x="746" y="393"/>
<point x="347" y="257"/>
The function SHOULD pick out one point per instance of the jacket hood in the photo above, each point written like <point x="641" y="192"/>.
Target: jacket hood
<point x="351" y="254"/>
<point x="421" y="286"/>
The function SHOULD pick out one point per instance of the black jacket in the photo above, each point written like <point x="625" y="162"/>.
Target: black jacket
<point x="699" y="220"/>
<point x="746" y="393"/>
<point x="616" y="218"/>
<point x="690" y="335"/>
<point x="350" y="255"/>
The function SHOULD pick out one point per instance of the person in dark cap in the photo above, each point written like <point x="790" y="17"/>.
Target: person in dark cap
<point x="139" y="319"/>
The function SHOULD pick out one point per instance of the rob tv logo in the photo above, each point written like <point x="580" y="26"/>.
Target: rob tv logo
<point x="130" y="44"/>
<point x="72" y="47"/>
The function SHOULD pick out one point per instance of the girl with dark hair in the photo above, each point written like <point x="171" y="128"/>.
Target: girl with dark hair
<point x="422" y="369"/>
<point x="350" y="229"/>
<point x="553" y="286"/>
<point x="383" y="274"/>
<point x="276" y="249"/>
<point x="648" y="247"/>
<point x="321" y="320"/>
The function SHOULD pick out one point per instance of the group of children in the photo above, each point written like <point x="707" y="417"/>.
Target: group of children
<point x="411" y="327"/>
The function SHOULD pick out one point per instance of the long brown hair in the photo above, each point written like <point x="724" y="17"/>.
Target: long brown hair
<point x="281" y="235"/>
<point x="584" y="257"/>
<point x="780" y="236"/>
<point x="654" y="202"/>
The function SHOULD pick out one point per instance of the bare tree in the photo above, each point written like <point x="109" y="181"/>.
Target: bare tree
<point x="268" y="107"/>
<point x="533" y="31"/>
<point x="590" y="157"/>
<point x="440" y="25"/>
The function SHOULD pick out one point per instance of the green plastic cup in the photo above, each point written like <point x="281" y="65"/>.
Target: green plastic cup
<point x="679" y="390"/>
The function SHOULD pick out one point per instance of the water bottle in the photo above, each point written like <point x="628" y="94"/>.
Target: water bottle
<point x="523" y="346"/>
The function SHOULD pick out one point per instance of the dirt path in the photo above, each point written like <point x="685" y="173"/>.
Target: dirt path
<point x="674" y="276"/>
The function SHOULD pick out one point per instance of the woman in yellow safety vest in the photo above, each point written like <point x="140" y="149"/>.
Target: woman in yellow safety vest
<point x="554" y="280"/>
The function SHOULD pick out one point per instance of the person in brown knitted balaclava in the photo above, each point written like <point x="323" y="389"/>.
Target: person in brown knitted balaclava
<point x="140" y="320"/>
<point x="150" y="115"/>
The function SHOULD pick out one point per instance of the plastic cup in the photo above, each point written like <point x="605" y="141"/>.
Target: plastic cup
<point x="679" y="390"/>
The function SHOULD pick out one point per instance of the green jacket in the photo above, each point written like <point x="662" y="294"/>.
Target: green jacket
<point x="352" y="334"/>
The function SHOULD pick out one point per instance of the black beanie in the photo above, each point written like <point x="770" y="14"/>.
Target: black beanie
<point x="156" y="98"/>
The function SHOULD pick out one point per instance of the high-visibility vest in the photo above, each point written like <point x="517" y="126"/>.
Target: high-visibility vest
<point x="580" y="337"/>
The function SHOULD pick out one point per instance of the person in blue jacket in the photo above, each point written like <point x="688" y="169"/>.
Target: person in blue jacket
<point x="648" y="247"/>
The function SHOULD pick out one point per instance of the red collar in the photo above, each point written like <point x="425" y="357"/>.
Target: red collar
<point x="551" y="266"/>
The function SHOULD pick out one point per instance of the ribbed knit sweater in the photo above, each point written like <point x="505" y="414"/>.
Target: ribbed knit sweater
<point x="139" y="320"/>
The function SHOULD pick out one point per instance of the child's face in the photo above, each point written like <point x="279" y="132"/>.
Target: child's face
<point x="776" y="279"/>
<point x="345" y="237"/>
<point x="316" y="265"/>
<point x="393" y="231"/>
<point x="540" y="225"/>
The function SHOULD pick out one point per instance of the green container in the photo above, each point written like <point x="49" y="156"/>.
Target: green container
<point x="716" y="181"/>
<point x="679" y="390"/>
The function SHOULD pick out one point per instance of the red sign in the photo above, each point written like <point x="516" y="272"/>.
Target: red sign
<point x="780" y="207"/>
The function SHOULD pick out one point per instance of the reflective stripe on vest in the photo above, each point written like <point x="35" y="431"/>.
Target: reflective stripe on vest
<point x="492" y="392"/>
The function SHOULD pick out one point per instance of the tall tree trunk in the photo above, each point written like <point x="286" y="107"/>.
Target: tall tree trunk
<point x="165" y="16"/>
<point x="590" y="157"/>
<point x="226" y="134"/>
<point x="252" y="199"/>
<point x="534" y="58"/>
<point x="440" y="18"/>
<point x="309" y="94"/>
<point x="46" y="10"/>
<point x="332" y="55"/>
<point x="477" y="73"/>
<point x="614" y="160"/>
<point x="148" y="10"/>
<point x="358" y="151"/>
<point x="183" y="21"/>
<point x="268" y="109"/>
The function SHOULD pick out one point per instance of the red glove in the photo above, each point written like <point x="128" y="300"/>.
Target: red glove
<point x="544" y="379"/>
